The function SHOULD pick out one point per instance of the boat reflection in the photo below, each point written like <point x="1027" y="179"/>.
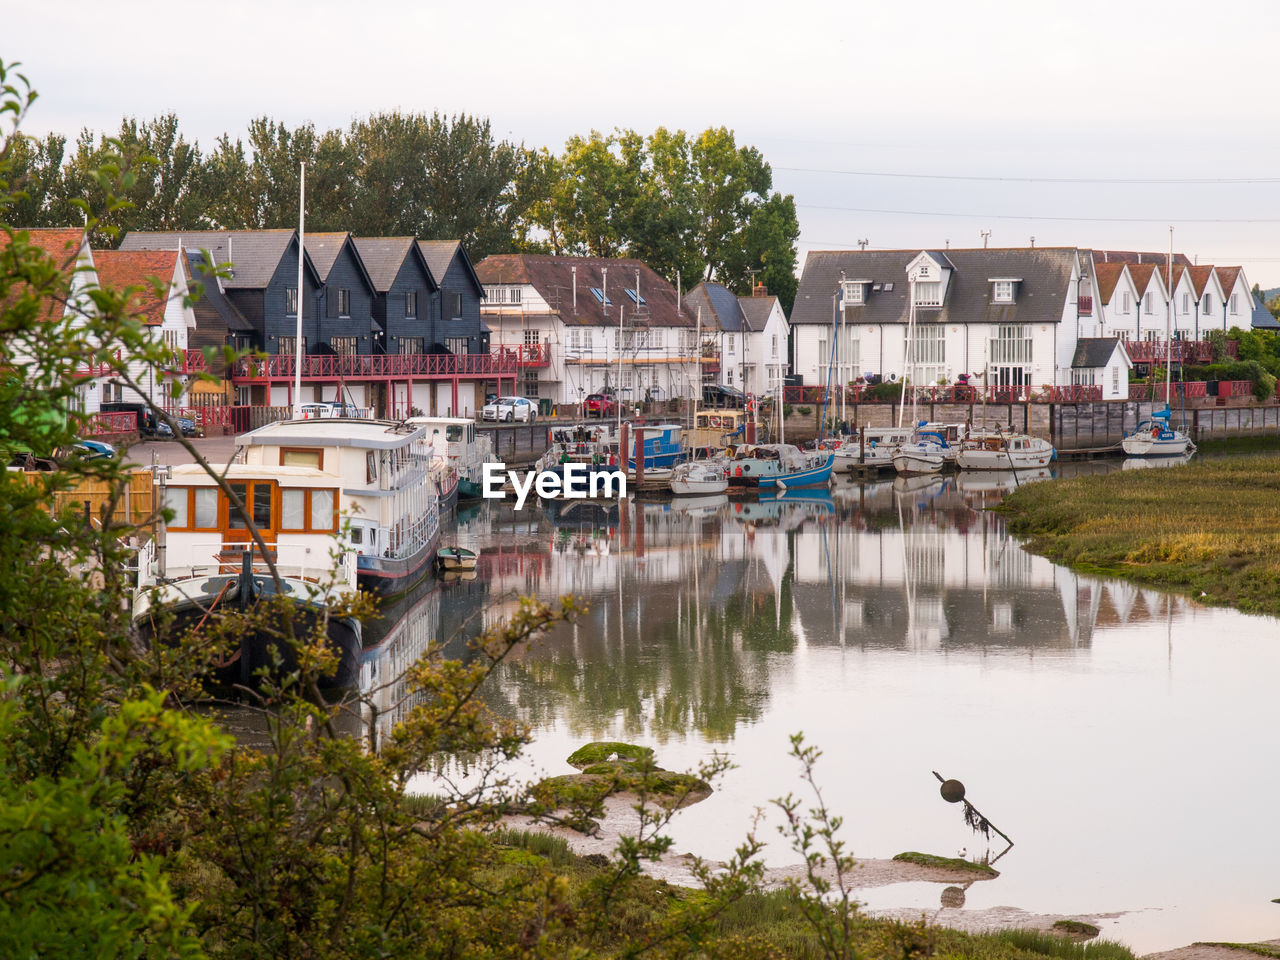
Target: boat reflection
<point x="1142" y="463"/>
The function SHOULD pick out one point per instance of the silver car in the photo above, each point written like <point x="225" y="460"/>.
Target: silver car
<point x="510" y="409"/>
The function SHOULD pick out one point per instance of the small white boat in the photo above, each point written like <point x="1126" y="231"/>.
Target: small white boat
<point x="456" y="558"/>
<point x="873" y="449"/>
<point x="699" y="478"/>
<point x="927" y="452"/>
<point x="1157" y="437"/>
<point x="1005" y="451"/>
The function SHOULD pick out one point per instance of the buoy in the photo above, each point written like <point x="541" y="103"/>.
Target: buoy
<point x="952" y="791"/>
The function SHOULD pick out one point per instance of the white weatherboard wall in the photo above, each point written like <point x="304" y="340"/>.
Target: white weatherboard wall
<point x="177" y="322"/>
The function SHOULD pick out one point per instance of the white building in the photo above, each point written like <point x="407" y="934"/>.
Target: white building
<point x="1017" y="312"/>
<point x="161" y="309"/>
<point x="604" y="324"/>
<point x="748" y="336"/>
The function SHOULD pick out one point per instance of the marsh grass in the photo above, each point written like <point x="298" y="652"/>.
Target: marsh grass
<point x="947" y="863"/>
<point x="1210" y="529"/>
<point x="1051" y="945"/>
<point x="555" y="850"/>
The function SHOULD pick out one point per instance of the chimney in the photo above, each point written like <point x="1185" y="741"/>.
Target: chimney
<point x="759" y="290"/>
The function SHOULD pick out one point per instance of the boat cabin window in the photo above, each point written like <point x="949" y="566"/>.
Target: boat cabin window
<point x="256" y="496"/>
<point x="301" y="457"/>
<point x="371" y="467"/>
<point x="194" y="508"/>
<point x="453" y="432"/>
<point x="308" y="511"/>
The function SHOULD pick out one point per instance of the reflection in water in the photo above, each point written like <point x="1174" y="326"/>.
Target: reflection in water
<point x="903" y="630"/>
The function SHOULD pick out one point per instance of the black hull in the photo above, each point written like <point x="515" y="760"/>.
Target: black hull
<point x="257" y="651"/>
<point x="389" y="579"/>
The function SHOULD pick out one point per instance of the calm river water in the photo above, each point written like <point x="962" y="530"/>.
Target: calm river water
<point x="1125" y="739"/>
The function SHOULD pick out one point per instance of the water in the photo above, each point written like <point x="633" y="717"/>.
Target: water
<point x="1125" y="739"/>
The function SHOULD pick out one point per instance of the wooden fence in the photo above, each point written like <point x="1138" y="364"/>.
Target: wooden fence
<point x="136" y="501"/>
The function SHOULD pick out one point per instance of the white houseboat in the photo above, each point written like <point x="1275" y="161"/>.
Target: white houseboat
<point x="466" y="449"/>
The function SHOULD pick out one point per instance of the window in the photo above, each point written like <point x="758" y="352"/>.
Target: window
<point x="929" y="352"/>
<point x="371" y="467"/>
<point x="730" y="348"/>
<point x="775" y="345"/>
<point x="1115" y="379"/>
<point x="853" y="292"/>
<point x="344" y="346"/>
<point x="457" y="345"/>
<point x="177" y="499"/>
<point x="302" y="457"/>
<point x="929" y="293"/>
<point x="411" y="303"/>
<point x="291" y="300"/>
<point x="1235" y="302"/>
<point x="288" y="346"/>
<point x="823" y="356"/>
<point x="1146" y="303"/>
<point x="1003" y="291"/>
<point x="412" y="345"/>
<point x="502" y="294"/>
<point x="1011" y="344"/>
<point x="600" y="297"/>
<point x="1186" y="303"/>
<point x="532" y="338"/>
<point x="1205" y="308"/>
<point x="257" y="498"/>
<point x="457" y="306"/>
<point x="205" y="501"/>
<point x="194" y="508"/>
<point x="307" y="511"/>
<point x="635" y="297"/>
<point x="1125" y="301"/>
<point x="728" y="376"/>
<point x="344" y="303"/>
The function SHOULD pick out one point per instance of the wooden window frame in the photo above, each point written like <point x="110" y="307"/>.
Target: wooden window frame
<point x="411" y="303"/>
<point x="319" y="450"/>
<point x="189" y="526"/>
<point x="344" y="302"/>
<point x="306" y="510"/>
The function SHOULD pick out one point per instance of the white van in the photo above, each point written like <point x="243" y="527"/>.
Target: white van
<point x="330" y="408"/>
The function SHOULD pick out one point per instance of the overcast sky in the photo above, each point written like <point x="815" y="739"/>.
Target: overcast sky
<point x="1114" y="90"/>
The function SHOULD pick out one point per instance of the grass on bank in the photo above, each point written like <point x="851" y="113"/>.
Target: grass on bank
<point x="1210" y="529"/>
<point x="947" y="863"/>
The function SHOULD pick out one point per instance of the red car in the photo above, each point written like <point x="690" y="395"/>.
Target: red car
<point x="599" y="405"/>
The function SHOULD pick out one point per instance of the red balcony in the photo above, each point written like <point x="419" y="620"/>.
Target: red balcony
<point x="1075" y="393"/>
<point x="1183" y="351"/>
<point x="499" y="362"/>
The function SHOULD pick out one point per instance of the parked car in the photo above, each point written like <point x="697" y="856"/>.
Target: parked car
<point x="84" y="450"/>
<point x="187" y="426"/>
<point x="329" y="408"/>
<point x="510" y="409"/>
<point x="599" y="405"/>
<point x="149" y="425"/>
<point x="718" y="395"/>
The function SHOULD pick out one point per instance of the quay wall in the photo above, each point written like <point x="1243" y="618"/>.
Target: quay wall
<point x="1084" y="427"/>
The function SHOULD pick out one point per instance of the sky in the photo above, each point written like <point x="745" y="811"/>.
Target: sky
<point x="905" y="124"/>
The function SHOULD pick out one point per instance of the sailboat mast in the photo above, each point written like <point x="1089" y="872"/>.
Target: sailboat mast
<point x="1168" y="332"/>
<point x="907" y="362"/>
<point x="297" y="343"/>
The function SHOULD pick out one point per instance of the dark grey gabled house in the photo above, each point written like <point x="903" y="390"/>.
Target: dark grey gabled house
<point x="456" y="318"/>
<point x="263" y="282"/>
<point x="346" y="325"/>
<point x="405" y="292"/>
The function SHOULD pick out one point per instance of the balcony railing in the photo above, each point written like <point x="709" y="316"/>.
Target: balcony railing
<point x="499" y="362"/>
<point x="1180" y="389"/>
<point x="1075" y="393"/>
<point x="1183" y="351"/>
<point x="102" y="423"/>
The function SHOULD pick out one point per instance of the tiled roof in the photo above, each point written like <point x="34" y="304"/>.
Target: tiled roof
<point x="1141" y="274"/>
<point x="63" y="246"/>
<point x="757" y="311"/>
<point x="553" y="279"/>
<point x="1107" y="275"/>
<point x="323" y="248"/>
<point x="1045" y="273"/>
<point x="215" y="314"/>
<point x="1227" y="277"/>
<point x="1200" y="278"/>
<point x="1094" y="351"/>
<point x="1262" y="318"/>
<point x="719" y="305"/>
<point x="1140" y="256"/>
<point x="118" y="269"/>
<point x="254" y="254"/>
<point x="384" y="256"/>
<point x="440" y="255"/>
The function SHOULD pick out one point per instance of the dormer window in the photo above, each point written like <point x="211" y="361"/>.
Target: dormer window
<point x="929" y="293"/>
<point x="1004" y="289"/>
<point x="855" y="292"/>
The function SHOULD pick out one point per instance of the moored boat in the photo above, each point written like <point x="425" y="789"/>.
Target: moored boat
<point x="466" y="449"/>
<point x="781" y="465"/>
<point x="700" y="477"/>
<point x="1157" y="437"/>
<point x="456" y="558"/>
<point x="1005" y="451"/>
<point x="926" y="452"/>
<point x="872" y="449"/>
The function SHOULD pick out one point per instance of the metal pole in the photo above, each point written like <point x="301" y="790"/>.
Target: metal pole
<point x="297" y="360"/>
